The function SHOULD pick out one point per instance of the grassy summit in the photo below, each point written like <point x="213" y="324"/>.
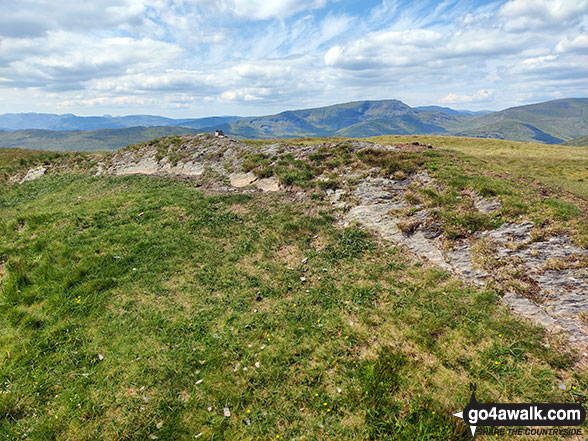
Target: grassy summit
<point x="137" y="307"/>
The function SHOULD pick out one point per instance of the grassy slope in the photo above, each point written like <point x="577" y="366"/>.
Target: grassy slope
<point x="120" y="294"/>
<point x="566" y="167"/>
<point x="578" y="142"/>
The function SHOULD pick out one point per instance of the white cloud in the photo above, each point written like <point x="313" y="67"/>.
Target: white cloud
<point x="574" y="44"/>
<point x="482" y="95"/>
<point x="265" y="9"/>
<point x="526" y="15"/>
<point x="255" y="56"/>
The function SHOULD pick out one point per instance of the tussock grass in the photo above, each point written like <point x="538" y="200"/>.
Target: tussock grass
<point x="133" y="307"/>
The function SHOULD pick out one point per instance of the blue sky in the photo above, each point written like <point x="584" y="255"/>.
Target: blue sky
<point x="192" y="58"/>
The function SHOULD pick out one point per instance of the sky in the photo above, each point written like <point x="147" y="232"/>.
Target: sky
<point x="196" y="58"/>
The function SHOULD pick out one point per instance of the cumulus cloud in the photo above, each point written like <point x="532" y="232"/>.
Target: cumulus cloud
<point x="482" y="95"/>
<point x="525" y="15"/>
<point x="263" y="9"/>
<point x="257" y="56"/>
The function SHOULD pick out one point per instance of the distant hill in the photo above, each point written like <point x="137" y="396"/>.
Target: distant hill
<point x="450" y="111"/>
<point x="551" y="122"/>
<point x="94" y="140"/>
<point x="359" y="118"/>
<point x="578" y="142"/>
<point x="48" y="121"/>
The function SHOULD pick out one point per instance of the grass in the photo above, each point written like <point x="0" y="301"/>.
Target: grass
<point x="134" y="307"/>
<point x="562" y="166"/>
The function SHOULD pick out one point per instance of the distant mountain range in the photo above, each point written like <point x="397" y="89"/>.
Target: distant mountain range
<point x="50" y="121"/>
<point x="92" y="140"/>
<point x="551" y="122"/>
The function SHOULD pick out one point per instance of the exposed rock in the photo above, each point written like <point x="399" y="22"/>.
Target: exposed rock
<point x="486" y="206"/>
<point x="334" y="196"/>
<point x="460" y="258"/>
<point x="34" y="173"/>
<point x="268" y="184"/>
<point x="242" y="179"/>
<point x="511" y="232"/>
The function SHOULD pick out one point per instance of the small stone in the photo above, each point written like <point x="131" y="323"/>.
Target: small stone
<point x="339" y="390"/>
<point x="303" y="279"/>
<point x="152" y="436"/>
<point x="247" y="422"/>
<point x="100" y="357"/>
<point x="199" y="381"/>
<point x="304" y="260"/>
<point x="227" y="412"/>
<point x="216" y="336"/>
<point x="245" y="369"/>
<point x="134" y="269"/>
<point x="262" y="347"/>
<point x="237" y="366"/>
<point x="159" y="425"/>
<point x="257" y="364"/>
<point x="198" y="436"/>
<point x="351" y="323"/>
<point x="561" y="385"/>
<point x="209" y="408"/>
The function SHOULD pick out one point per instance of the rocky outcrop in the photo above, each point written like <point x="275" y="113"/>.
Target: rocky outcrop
<point x="563" y="293"/>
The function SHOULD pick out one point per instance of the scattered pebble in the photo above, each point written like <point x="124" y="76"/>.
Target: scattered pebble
<point x="237" y="366"/>
<point x="304" y="260"/>
<point x="351" y="323"/>
<point x="247" y="422"/>
<point x="152" y="436"/>
<point x="216" y="336"/>
<point x="257" y="364"/>
<point x="209" y="408"/>
<point x="339" y="390"/>
<point x="249" y="345"/>
<point x="159" y="425"/>
<point x="262" y="347"/>
<point x="100" y="357"/>
<point x="303" y="279"/>
<point x="198" y="436"/>
<point x="245" y="369"/>
<point x="561" y="385"/>
<point x="199" y="381"/>
<point x="134" y="269"/>
<point x="227" y="412"/>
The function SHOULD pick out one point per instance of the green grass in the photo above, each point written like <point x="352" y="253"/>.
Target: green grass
<point x="129" y="307"/>
<point x="120" y="294"/>
<point x="554" y="165"/>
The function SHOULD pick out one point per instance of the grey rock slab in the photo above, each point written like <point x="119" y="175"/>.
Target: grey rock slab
<point x="268" y="184"/>
<point x="487" y="205"/>
<point x="241" y="179"/>
<point x="34" y="173"/>
<point x="461" y="261"/>
<point x="511" y="232"/>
